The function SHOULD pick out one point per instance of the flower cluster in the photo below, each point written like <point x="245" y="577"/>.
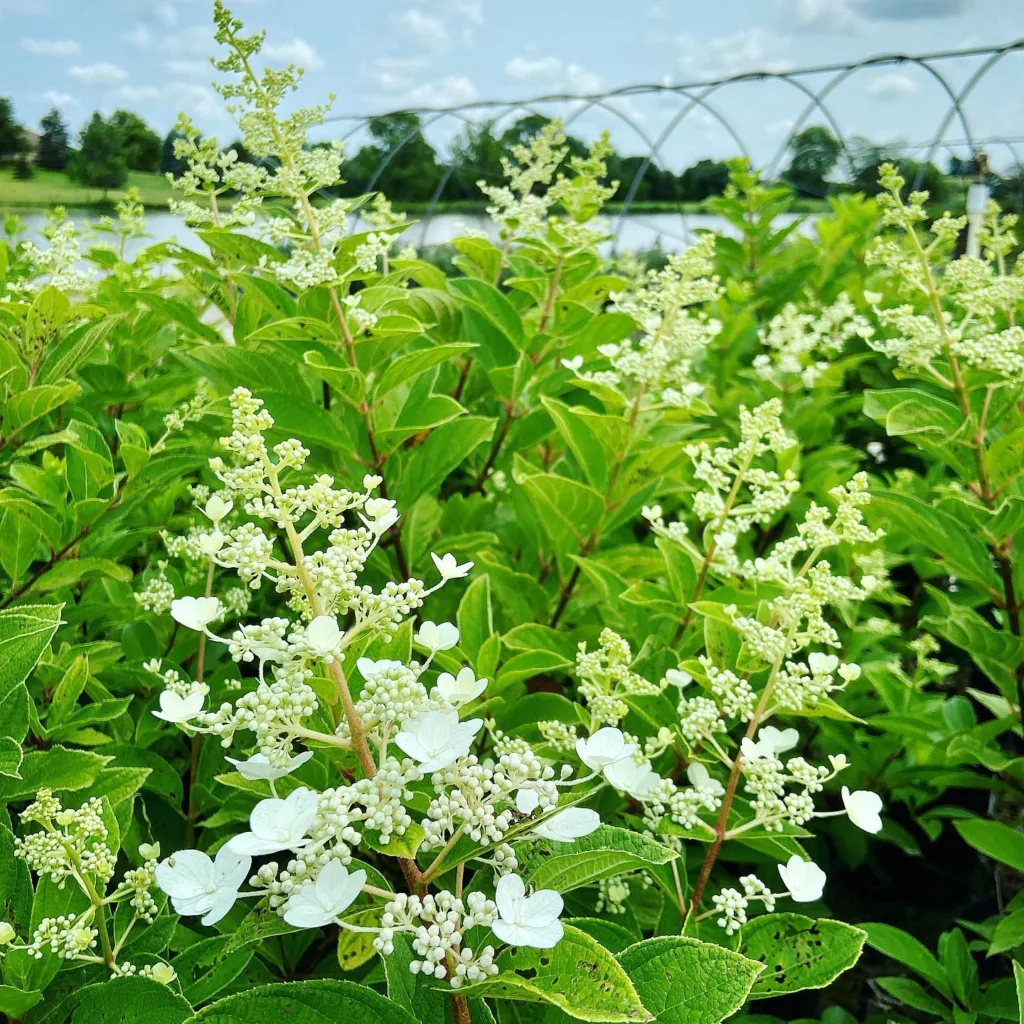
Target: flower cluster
<point x="673" y="336"/>
<point x="800" y="344"/>
<point x="414" y="727"/>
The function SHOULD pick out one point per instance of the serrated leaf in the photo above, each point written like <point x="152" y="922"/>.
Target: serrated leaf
<point x="305" y="1002"/>
<point x="605" y="852"/>
<point x="579" y="976"/>
<point x="799" y="952"/>
<point x="684" y="981"/>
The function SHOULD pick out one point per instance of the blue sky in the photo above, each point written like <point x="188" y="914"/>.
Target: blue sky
<point x="376" y="55"/>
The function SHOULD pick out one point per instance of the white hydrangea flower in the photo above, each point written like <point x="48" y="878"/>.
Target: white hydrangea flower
<point x="435" y="637"/>
<point x="527" y="801"/>
<point x="436" y="739"/>
<point x="569" y="825"/>
<point x="770" y="743"/>
<point x="700" y="778"/>
<point x="460" y="689"/>
<point x="323" y="635"/>
<point x="198" y="885"/>
<point x="527" y="920"/>
<point x="320" y="903"/>
<point x="604" y="747"/>
<point x="864" y="809"/>
<point x="196" y="612"/>
<point x="637" y="780"/>
<point x="259" y="767"/>
<point x="278" y="824"/>
<point x="450" y="568"/>
<point x="803" y="879"/>
<point x="178" y="709"/>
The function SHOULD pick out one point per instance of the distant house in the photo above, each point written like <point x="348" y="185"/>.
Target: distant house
<point x="31" y="145"/>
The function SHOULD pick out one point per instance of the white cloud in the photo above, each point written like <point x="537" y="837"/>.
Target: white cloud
<point x="390" y="74"/>
<point x="427" y="28"/>
<point x="781" y="127"/>
<point x="297" y="51"/>
<point x="190" y="42"/>
<point x="189" y="68"/>
<point x="892" y="86"/>
<point x="139" y="36"/>
<point x="450" y="91"/>
<point x="51" y="47"/>
<point x="571" y="77"/>
<point x="827" y="16"/>
<point x="98" y="74"/>
<point x="59" y="99"/>
<point x="138" y="93"/>
<point x="751" y="49"/>
<point x="529" y="67"/>
<point x="166" y="13"/>
<point x="200" y="101"/>
<point x="471" y="10"/>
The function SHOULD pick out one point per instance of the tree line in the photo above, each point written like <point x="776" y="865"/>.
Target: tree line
<point x="399" y="161"/>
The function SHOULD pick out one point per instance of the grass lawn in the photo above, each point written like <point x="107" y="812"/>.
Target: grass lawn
<point x="53" y="188"/>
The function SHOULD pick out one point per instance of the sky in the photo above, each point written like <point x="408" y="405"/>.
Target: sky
<point x="151" y="56"/>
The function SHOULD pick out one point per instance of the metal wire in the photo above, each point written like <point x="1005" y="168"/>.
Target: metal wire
<point x="696" y="96"/>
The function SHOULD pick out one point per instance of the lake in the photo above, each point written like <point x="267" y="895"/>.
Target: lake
<point x="635" y="231"/>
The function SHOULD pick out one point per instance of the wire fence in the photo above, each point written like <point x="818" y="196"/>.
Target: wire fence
<point x="958" y="74"/>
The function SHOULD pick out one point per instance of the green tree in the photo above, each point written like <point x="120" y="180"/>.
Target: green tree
<point x="704" y="179"/>
<point x="12" y="135"/>
<point x="22" y="167"/>
<point x="139" y="143"/>
<point x="100" y="160"/>
<point x="54" y="150"/>
<point x="169" y="163"/>
<point x="815" y="153"/>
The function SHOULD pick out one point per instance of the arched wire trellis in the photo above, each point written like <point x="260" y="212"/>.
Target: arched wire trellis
<point x="697" y="95"/>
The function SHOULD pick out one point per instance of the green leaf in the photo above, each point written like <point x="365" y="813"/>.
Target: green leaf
<point x="206" y="967"/>
<point x="799" y="952"/>
<point x="475" y="618"/>
<point x="997" y="652"/>
<point x="55" y="768"/>
<point x="411" y="991"/>
<point x="913" y="994"/>
<point x="25" y="632"/>
<point x="605" y="852"/>
<point x="16" y="1002"/>
<point x="10" y="757"/>
<point x="594" y="458"/>
<point x="28" y="406"/>
<point x="89" y="466"/>
<point x="903" y="947"/>
<point x="578" y="975"/>
<point x="72" y="351"/>
<point x="132" y="1000"/>
<point x="20" y="543"/>
<point x="943" y="534"/>
<point x="305" y="1002"/>
<point x="427" y="466"/>
<point x="995" y="840"/>
<point x="69" y="689"/>
<point x="685" y="981"/>
<point x="1009" y="933"/>
<point x="1018" y="980"/>
<point x="407" y="368"/>
<point x="569" y="510"/>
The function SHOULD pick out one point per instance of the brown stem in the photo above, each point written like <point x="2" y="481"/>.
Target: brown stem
<point x="499" y="440"/>
<point x="722" y="824"/>
<point x="463" y="377"/>
<point x="566" y="595"/>
<point x="549" y="303"/>
<point x="460" y="1009"/>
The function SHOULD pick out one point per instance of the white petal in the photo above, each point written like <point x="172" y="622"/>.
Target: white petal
<point x="508" y="896"/>
<point x="542" y="907"/>
<point x="189" y="876"/>
<point x="230" y="868"/>
<point x="527" y="801"/>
